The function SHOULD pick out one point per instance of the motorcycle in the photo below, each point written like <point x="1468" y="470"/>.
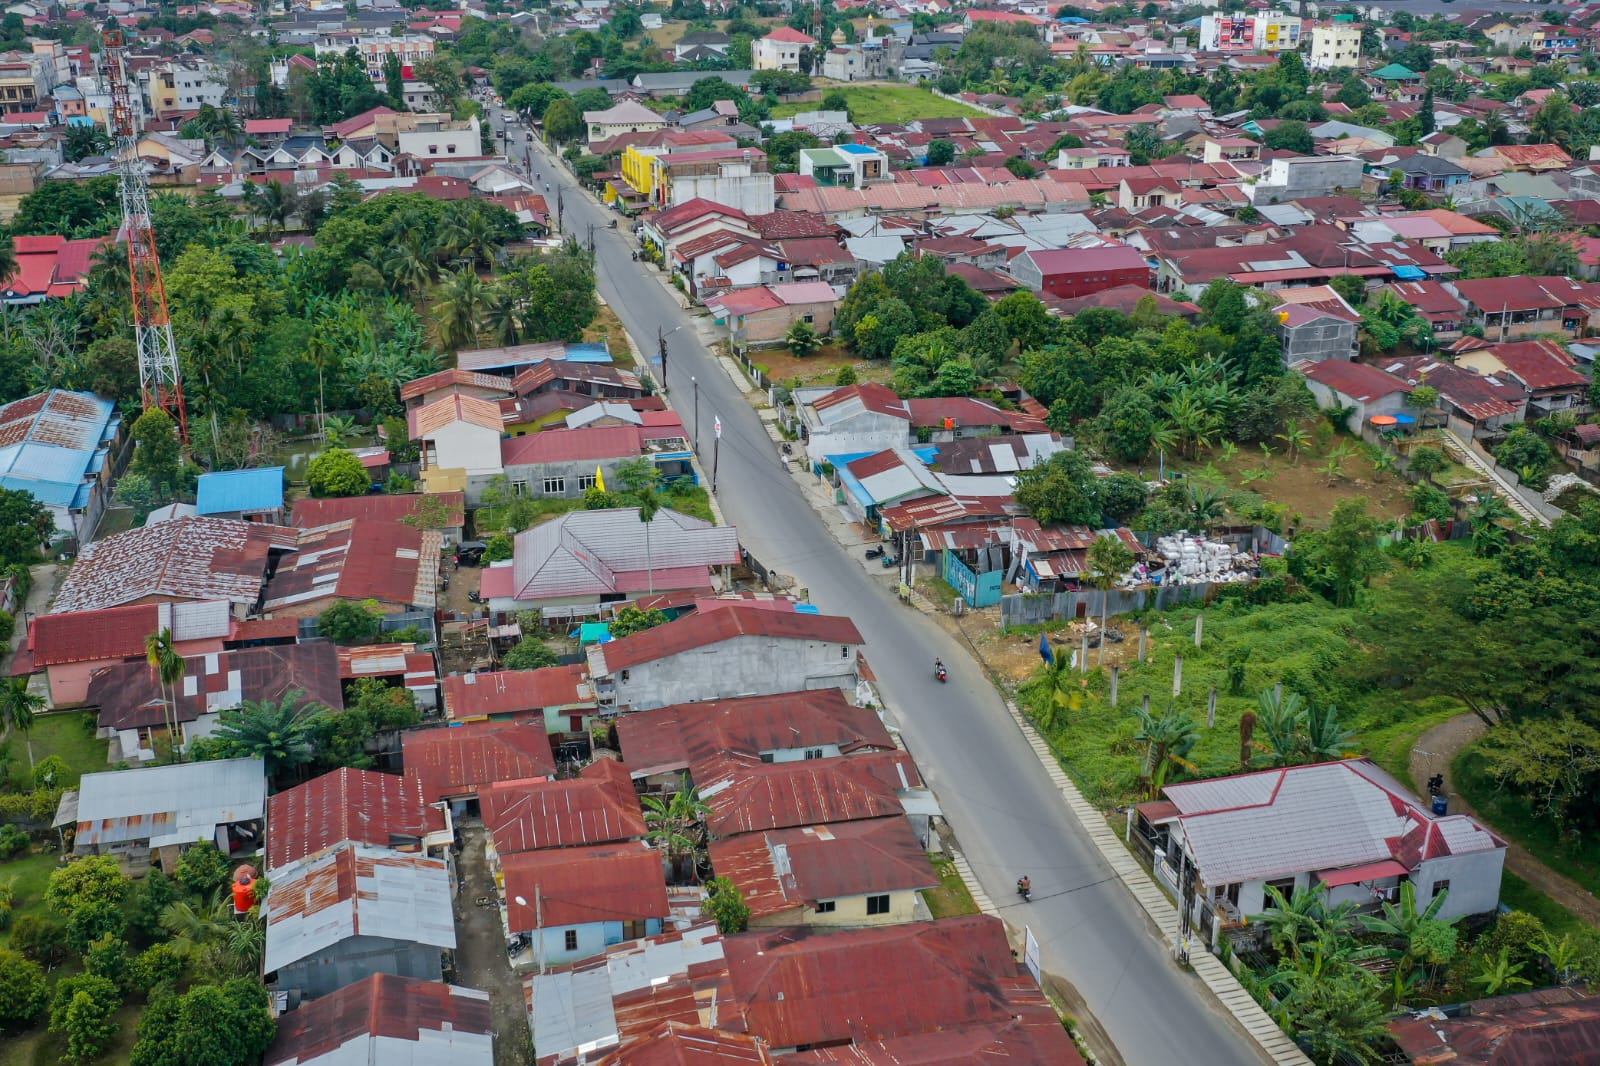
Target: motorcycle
<point x="888" y="561"/>
<point x="788" y="449"/>
<point x="941" y="673"/>
<point x="1025" y="892"/>
<point x="475" y="597"/>
<point x="873" y="553"/>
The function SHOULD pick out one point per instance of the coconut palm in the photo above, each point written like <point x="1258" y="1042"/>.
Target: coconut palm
<point x="281" y="733"/>
<point x="1485" y="518"/>
<point x="503" y="320"/>
<point x="1204" y="505"/>
<point x="459" y="303"/>
<point x="18" y="706"/>
<point x="673" y="825"/>
<point x="410" y="265"/>
<point x="213" y="938"/>
<point x="649" y="506"/>
<point x="278" y="202"/>
<point x="1108" y="559"/>
<point x="168" y="666"/>
<point x="467" y="236"/>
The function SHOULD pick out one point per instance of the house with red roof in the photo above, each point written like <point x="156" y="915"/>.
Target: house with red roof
<point x="780" y="49"/>
<point x="384" y="1018"/>
<point x="1366" y="389"/>
<point x="1543" y="368"/>
<point x="852" y="419"/>
<point x="388" y="562"/>
<point x="734" y="651"/>
<point x="1071" y="272"/>
<point x="454" y="762"/>
<point x="49" y="266"/>
<point x="1507" y="308"/>
<point x="347" y="804"/>
<point x="561" y="694"/>
<point x="71" y="648"/>
<point x="765" y="313"/>
<point x="573" y="903"/>
<point x="1486" y="402"/>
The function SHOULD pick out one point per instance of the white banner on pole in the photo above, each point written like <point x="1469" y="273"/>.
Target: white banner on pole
<point x="1030" y="953"/>
<point x="717" y="425"/>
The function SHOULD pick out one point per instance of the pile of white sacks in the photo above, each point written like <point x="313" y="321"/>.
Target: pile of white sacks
<point x="1195" y="559"/>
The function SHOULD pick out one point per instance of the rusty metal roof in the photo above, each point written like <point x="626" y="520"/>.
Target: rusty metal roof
<point x="668" y="738"/>
<point x="352" y="890"/>
<point x="388" y="1019"/>
<point x="1552" y="1027"/>
<point x="184" y="559"/>
<point x="130" y="694"/>
<point x="455" y="761"/>
<point x="509" y="691"/>
<point x="677" y="1044"/>
<point x="576" y="886"/>
<point x="359" y="560"/>
<point x="360" y="805"/>
<point x="51" y="443"/>
<point x="382" y="507"/>
<point x="599" y="806"/>
<point x="801" y="985"/>
<point x="749" y="796"/>
<point x="702" y="630"/>
<point x="787" y="869"/>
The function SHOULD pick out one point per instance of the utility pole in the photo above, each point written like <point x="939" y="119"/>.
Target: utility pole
<point x="661" y="347"/>
<point x="716" y="450"/>
<point x="696" y="385"/>
<point x="591" y="238"/>
<point x="561" y="192"/>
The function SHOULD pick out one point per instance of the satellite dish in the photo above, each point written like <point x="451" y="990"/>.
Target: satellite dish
<point x="521" y="902"/>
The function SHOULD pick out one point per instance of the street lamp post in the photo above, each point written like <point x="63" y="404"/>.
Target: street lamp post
<point x="661" y="348"/>
<point x="696" y="385"/>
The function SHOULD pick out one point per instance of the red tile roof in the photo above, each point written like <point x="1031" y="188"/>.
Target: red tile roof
<point x="510" y="691"/>
<point x="665" y="739"/>
<point x="364" y="805"/>
<point x="800" y="986"/>
<point x="576" y="886"/>
<point x="788" y="35"/>
<point x="699" y="631"/>
<point x="382" y="1005"/>
<point x="787" y="869"/>
<point x="599" y="806"/>
<point x="456" y="761"/>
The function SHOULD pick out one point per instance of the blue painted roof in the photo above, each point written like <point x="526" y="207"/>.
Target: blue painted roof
<point x="240" y="490"/>
<point x="54" y="442"/>
<point x="855" y="149"/>
<point x="585" y="352"/>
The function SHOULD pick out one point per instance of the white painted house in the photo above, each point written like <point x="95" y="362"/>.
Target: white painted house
<point x="1347" y="828"/>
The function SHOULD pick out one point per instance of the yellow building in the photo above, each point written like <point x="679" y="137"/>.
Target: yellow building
<point x="639" y="169"/>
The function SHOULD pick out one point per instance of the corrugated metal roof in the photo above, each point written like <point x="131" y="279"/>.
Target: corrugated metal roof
<point x="355" y="890"/>
<point x="51" y="441"/>
<point x="586" y="553"/>
<point x="177" y="804"/>
<point x="786" y="869"/>
<point x="749" y="796"/>
<point x="597" y="807"/>
<point x="677" y="1044"/>
<point x="239" y="490"/>
<point x="702" y="630"/>
<point x="130" y="694"/>
<point x="359" y="560"/>
<point x="184" y="559"/>
<point x="456" y="760"/>
<point x="576" y="886"/>
<point x="382" y="507"/>
<point x="347" y="804"/>
<point x="395" y="1021"/>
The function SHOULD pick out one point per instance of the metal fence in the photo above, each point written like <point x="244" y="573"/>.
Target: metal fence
<point x="1028" y="608"/>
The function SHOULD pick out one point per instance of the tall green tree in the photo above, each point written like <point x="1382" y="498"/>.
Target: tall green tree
<point x="18" y="706"/>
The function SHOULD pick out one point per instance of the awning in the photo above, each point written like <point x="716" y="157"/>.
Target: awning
<point x="1351" y="875"/>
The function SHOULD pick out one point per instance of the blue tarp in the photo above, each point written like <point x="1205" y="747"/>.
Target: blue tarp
<point x="1409" y="273"/>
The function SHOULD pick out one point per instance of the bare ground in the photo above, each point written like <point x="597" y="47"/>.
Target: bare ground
<point x="1433" y="753"/>
<point x="481" y="954"/>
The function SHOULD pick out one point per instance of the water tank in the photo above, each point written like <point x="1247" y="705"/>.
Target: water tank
<point x="244" y="889"/>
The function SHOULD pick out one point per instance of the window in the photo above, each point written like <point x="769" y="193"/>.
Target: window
<point x="585" y="482"/>
<point x="572" y="940"/>
<point x="813" y="753"/>
<point x="1438" y="887"/>
<point x="878" y="904"/>
<point x="844" y="651"/>
<point x="826" y="906"/>
<point x="809" y="319"/>
<point x="1284" y="885"/>
<point x="766" y="756"/>
<point x="519" y="488"/>
<point x="555" y="486"/>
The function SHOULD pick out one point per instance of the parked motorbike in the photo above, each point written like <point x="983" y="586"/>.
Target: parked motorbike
<point x="788" y="449"/>
<point x="873" y="553"/>
<point x="475" y="597"/>
<point x="889" y="561"/>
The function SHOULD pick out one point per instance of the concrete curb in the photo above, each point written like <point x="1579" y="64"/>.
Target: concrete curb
<point x="1210" y="969"/>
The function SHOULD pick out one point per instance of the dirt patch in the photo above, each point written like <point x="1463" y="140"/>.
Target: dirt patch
<point x="480" y="957"/>
<point x="608" y="327"/>
<point x="1433" y="753"/>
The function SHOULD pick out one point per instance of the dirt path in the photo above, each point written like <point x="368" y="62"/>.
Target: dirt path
<point x="1432" y="755"/>
<point x="481" y="953"/>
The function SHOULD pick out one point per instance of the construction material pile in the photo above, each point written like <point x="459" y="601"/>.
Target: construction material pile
<point x="1194" y="559"/>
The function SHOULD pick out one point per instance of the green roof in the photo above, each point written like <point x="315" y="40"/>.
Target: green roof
<point x="1395" y="72"/>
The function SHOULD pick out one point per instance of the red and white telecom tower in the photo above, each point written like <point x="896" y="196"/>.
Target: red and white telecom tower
<point x="160" y="379"/>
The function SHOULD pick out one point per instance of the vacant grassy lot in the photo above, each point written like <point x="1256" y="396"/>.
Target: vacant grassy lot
<point x="951" y="898"/>
<point x="28" y="875"/>
<point x="69" y="735"/>
<point x="886" y="103"/>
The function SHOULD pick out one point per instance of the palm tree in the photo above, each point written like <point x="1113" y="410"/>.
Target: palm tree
<point x="410" y="265"/>
<point x="1109" y="559"/>
<point x="504" y="317"/>
<point x="466" y="235"/>
<point x="1488" y="536"/>
<point x="649" y="506"/>
<point x="212" y="937"/>
<point x="1279" y="717"/>
<point x="168" y="665"/>
<point x="1167" y="742"/>
<point x="18" y="707"/>
<point x="674" y="825"/>
<point x="1297" y="440"/>
<point x="459" y="303"/>
<point x="279" y="201"/>
<point x="337" y="429"/>
<point x="282" y="734"/>
<point x="1205" y="505"/>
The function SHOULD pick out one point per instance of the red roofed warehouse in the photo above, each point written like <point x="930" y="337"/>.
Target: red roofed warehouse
<point x="1070" y="272"/>
<point x="733" y="651"/>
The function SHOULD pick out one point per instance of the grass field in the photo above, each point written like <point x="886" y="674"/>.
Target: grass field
<point x="1521" y="896"/>
<point x="28" y="876"/>
<point x="886" y="103"/>
<point x="70" y="736"/>
<point x="1578" y="859"/>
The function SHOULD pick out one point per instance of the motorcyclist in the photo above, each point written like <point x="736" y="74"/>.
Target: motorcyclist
<point x="938" y="667"/>
<point x="1024" y="886"/>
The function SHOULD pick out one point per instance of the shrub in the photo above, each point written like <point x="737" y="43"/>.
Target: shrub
<point x="497" y="548"/>
<point x="108" y="958"/>
<point x="23" y="992"/>
<point x="52" y="771"/>
<point x="13" y="841"/>
<point x="40" y="938"/>
<point x="202" y="869"/>
<point x="160" y="964"/>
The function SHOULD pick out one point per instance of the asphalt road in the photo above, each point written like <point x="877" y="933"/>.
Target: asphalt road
<point x="1007" y="816"/>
